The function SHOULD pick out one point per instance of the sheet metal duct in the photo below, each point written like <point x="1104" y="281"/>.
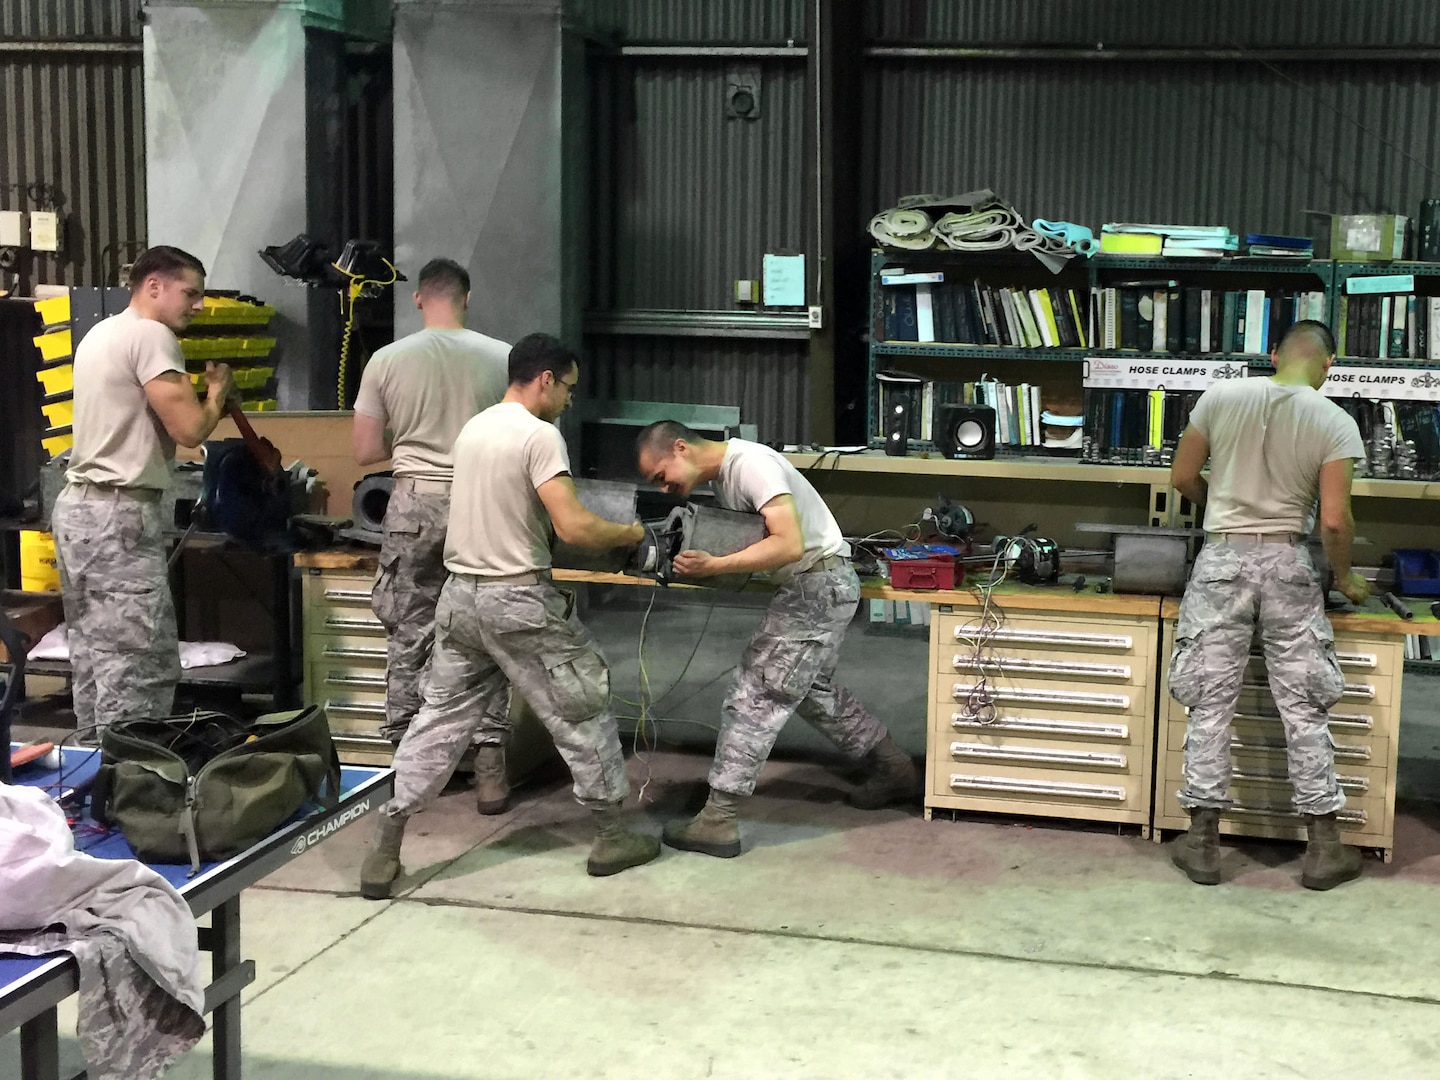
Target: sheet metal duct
<point x="479" y="147"/>
<point x="613" y="501"/>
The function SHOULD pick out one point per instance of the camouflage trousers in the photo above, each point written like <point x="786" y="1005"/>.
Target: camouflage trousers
<point x="407" y="588"/>
<point x="115" y="586"/>
<point x="789" y="669"/>
<point x="1235" y="594"/>
<point x="489" y="638"/>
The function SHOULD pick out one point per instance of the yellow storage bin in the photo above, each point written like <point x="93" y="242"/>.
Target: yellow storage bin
<point x="59" y="379"/>
<point x="263" y="405"/>
<point x="59" y="413"/>
<point x="56" y="445"/>
<point x="252" y="378"/>
<point x="54" y="346"/>
<point x="55" y="311"/>
<point x="227" y="311"/>
<point x="226" y="348"/>
<point x="39" y="570"/>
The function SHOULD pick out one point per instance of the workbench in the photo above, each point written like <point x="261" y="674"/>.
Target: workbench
<point x="1051" y="702"/>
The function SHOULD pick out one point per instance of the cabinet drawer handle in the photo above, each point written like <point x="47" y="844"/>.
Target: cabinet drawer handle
<point x="1007" y="786"/>
<point x="1027" y="696"/>
<point x="355" y="738"/>
<point x="1039" y="755"/>
<point x="1342" y="753"/>
<point x="1352" y="817"/>
<point x="1357" y="784"/>
<point x="362" y="682"/>
<point x="348" y="596"/>
<point x="1025" y="665"/>
<point x="364" y="709"/>
<point x="353" y="652"/>
<point x="1059" y="638"/>
<point x="1040" y="726"/>
<point x="1340" y="721"/>
<point x="340" y="622"/>
<point x="1366" y="661"/>
<point x="1362" y="691"/>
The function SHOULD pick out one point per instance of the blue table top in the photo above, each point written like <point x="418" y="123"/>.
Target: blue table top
<point x="79" y="765"/>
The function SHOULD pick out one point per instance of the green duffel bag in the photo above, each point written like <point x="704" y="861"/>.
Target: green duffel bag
<point x="206" y="785"/>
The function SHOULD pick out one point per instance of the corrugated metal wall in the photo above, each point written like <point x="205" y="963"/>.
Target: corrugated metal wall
<point x="765" y="378"/>
<point x="685" y="203"/>
<point x="74" y="121"/>
<point x="731" y="22"/>
<point x="1245" y="145"/>
<point x="692" y="198"/>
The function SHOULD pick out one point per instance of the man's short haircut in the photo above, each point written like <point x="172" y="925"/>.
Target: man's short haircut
<point x="659" y="437"/>
<point x="444" y="279"/>
<point x="168" y="262"/>
<point x="535" y="354"/>
<point x="1308" y="337"/>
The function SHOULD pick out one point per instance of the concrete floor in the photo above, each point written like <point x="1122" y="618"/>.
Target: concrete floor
<point x="842" y="943"/>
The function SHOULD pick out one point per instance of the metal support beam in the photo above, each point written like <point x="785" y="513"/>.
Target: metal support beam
<point x="55" y="48"/>
<point x="838" y="273"/>
<point x="716" y="52"/>
<point x="1155" y="54"/>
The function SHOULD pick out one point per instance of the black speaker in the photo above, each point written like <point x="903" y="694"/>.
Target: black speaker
<point x="897" y="428"/>
<point x="965" y="431"/>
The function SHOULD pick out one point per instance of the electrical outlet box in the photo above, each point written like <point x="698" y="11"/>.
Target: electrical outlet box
<point x="44" y="231"/>
<point x="12" y="228"/>
<point x="817" y="317"/>
<point x="747" y="291"/>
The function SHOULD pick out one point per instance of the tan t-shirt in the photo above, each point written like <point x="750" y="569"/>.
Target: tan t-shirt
<point x="752" y="474"/>
<point x="498" y="525"/>
<point x="1268" y="441"/>
<point x="424" y="388"/>
<point x="119" y="440"/>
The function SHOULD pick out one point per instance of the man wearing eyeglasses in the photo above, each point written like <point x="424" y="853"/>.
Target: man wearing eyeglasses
<point x="501" y="621"/>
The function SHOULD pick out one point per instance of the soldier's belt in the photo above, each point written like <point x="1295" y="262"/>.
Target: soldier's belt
<point x="533" y="578"/>
<point x="110" y="491"/>
<point x="423" y="487"/>
<point x="1245" y="539"/>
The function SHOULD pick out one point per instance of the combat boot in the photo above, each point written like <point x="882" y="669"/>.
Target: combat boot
<point x="382" y="862"/>
<point x="1198" y="851"/>
<point x="616" y="848"/>
<point x="891" y="777"/>
<point x="714" y="831"/>
<point x="492" y="786"/>
<point x="1328" y="861"/>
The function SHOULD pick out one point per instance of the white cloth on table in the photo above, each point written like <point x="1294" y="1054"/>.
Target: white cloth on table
<point x="56" y="646"/>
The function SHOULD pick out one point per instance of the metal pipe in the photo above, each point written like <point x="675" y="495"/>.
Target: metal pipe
<point x="678" y="323"/>
<point x="1156" y="54"/>
<point x="45" y="48"/>
<point x="702" y="52"/>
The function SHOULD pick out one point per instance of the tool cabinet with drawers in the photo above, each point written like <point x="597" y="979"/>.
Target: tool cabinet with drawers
<point x="345" y="660"/>
<point x="1364" y="725"/>
<point x="1043" y="703"/>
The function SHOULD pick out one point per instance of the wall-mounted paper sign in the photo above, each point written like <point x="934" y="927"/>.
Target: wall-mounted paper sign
<point x="784" y="278"/>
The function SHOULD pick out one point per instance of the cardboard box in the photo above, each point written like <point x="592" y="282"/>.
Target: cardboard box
<point x="1367" y="237"/>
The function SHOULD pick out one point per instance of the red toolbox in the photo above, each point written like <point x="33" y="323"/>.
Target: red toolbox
<point x="936" y="572"/>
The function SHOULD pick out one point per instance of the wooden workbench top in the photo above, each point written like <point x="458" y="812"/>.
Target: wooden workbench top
<point x="1374" y="618"/>
<point x="1013" y="596"/>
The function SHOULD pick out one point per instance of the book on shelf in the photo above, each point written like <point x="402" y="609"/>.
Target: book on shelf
<point x="1389" y="327"/>
<point x="974" y="313"/>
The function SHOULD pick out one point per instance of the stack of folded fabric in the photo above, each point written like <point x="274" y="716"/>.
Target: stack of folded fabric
<point x="1182" y="241"/>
